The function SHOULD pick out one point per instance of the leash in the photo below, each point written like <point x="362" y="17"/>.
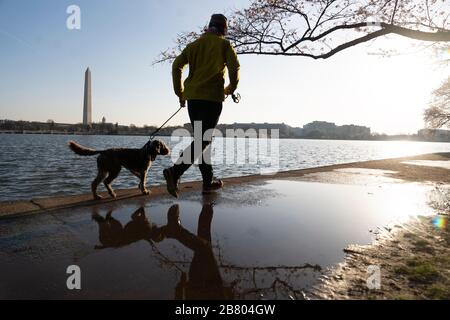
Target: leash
<point x="236" y="99"/>
<point x="152" y="136"/>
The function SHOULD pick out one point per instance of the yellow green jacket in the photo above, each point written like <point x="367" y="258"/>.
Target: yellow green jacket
<point x="207" y="58"/>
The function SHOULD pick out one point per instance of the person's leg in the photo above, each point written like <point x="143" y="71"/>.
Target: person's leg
<point x="207" y="113"/>
<point x="188" y="156"/>
<point x="173" y="174"/>
<point x="205" y="280"/>
<point x="174" y="230"/>
<point x="204" y="222"/>
<point x="209" y="123"/>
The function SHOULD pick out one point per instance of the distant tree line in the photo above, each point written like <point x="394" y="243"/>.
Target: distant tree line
<point x="313" y="130"/>
<point x="51" y="126"/>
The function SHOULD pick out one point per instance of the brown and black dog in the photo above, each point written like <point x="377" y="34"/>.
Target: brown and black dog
<point x="110" y="162"/>
<point x="112" y="234"/>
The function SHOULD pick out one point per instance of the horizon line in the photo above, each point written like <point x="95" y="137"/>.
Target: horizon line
<point x="257" y="123"/>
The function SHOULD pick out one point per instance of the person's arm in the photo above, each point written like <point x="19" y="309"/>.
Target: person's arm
<point x="233" y="66"/>
<point x="177" y="69"/>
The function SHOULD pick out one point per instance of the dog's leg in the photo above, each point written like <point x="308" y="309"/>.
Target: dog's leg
<point x="100" y="177"/>
<point x="143" y="177"/>
<point x="109" y="214"/>
<point x="112" y="175"/>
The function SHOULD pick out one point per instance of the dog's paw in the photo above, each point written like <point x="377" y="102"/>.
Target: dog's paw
<point x="97" y="197"/>
<point x="113" y="195"/>
<point x="146" y="191"/>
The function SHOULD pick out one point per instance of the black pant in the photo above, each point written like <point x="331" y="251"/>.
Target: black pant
<point x="205" y="280"/>
<point x="208" y="113"/>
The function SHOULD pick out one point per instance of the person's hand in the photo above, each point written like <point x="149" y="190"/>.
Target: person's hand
<point x="227" y="91"/>
<point x="182" y="103"/>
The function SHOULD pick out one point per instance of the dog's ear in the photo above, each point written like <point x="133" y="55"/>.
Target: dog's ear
<point x="164" y="150"/>
<point x="153" y="149"/>
<point x="156" y="146"/>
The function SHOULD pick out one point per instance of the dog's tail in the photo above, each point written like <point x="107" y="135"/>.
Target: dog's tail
<point x="82" y="151"/>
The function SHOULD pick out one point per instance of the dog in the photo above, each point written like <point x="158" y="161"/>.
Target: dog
<point x="110" y="162"/>
<point x="112" y="234"/>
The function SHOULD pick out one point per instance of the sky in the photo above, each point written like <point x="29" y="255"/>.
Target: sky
<point x="42" y="66"/>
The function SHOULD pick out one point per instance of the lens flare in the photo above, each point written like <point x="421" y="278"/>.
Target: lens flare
<point x="440" y="222"/>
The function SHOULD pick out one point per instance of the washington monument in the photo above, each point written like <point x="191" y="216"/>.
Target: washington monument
<point x="87" y="106"/>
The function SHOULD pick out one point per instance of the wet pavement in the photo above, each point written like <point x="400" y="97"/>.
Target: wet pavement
<point x="261" y="240"/>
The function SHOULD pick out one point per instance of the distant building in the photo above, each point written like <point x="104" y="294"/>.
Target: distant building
<point x="323" y="129"/>
<point x="353" y="132"/>
<point x="316" y="129"/>
<point x="434" y="134"/>
<point x="87" y="104"/>
<point x="284" y="130"/>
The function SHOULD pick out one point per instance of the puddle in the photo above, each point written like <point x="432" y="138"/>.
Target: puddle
<point x="429" y="163"/>
<point x="258" y="241"/>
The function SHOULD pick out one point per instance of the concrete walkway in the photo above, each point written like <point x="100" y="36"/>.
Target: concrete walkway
<point x="400" y="168"/>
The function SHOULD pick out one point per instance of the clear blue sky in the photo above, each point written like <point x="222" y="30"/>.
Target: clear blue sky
<point x="42" y="66"/>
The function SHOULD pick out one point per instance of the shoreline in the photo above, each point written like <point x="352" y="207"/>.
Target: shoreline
<point x="397" y="169"/>
<point x="413" y="259"/>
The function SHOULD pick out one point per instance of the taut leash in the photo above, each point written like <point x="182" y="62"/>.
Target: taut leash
<point x="152" y="136"/>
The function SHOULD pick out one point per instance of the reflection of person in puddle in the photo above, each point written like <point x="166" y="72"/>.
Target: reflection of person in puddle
<point x="113" y="234"/>
<point x="205" y="281"/>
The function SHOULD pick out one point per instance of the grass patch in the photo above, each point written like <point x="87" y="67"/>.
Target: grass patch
<point x="444" y="260"/>
<point x="419" y="271"/>
<point x="423" y="246"/>
<point x="425" y="273"/>
<point x="438" y="292"/>
<point x="409" y="235"/>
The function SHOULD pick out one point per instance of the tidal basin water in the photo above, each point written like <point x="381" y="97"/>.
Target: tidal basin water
<point x="34" y="166"/>
<point x="269" y="240"/>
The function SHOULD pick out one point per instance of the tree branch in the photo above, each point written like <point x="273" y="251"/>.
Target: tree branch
<point x="290" y="27"/>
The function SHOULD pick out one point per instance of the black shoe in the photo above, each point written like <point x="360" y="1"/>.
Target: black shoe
<point x="171" y="182"/>
<point x="173" y="221"/>
<point x="213" y="186"/>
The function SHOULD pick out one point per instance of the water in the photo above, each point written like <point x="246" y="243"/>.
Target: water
<point x="269" y="240"/>
<point x="42" y="165"/>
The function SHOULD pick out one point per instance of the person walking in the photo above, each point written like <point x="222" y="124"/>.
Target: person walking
<point x="204" y="91"/>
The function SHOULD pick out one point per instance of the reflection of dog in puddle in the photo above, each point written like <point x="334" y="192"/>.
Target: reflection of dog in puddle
<point x="112" y="234"/>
